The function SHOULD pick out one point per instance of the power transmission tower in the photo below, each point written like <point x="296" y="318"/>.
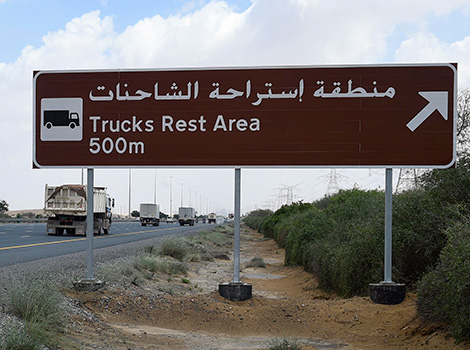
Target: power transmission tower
<point x="332" y="183"/>
<point x="333" y="178"/>
<point x="285" y="195"/>
<point x="408" y="179"/>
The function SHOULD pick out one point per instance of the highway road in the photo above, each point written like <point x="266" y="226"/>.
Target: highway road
<point x="25" y="242"/>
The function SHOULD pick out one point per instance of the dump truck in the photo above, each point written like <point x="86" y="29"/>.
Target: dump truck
<point x="149" y="214"/>
<point x="186" y="215"/>
<point x="212" y="218"/>
<point x="66" y="208"/>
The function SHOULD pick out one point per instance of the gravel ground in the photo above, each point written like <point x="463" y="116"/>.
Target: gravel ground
<point x="66" y="269"/>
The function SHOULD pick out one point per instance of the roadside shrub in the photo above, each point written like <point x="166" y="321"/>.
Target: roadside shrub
<point x="418" y="235"/>
<point x="122" y="272"/>
<point x="308" y="225"/>
<point x="343" y="243"/>
<point x="255" y="218"/>
<point x="268" y="225"/>
<point x="177" y="248"/>
<point x="284" y="344"/>
<point x="38" y="302"/>
<point x="346" y="268"/>
<point x="257" y="261"/>
<point x="357" y="263"/>
<point x="157" y="264"/>
<point x="444" y="293"/>
<point x="352" y="208"/>
<point x="16" y="337"/>
<point x="449" y="186"/>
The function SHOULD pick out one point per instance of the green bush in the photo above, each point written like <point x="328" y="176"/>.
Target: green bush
<point x="347" y="268"/>
<point x="157" y="264"/>
<point x="353" y="208"/>
<point x="444" y="293"/>
<point x="123" y="272"/>
<point x="38" y="302"/>
<point x="449" y="186"/>
<point x="284" y="344"/>
<point x="177" y="248"/>
<point x="418" y="235"/>
<point x="309" y="225"/>
<point x="269" y="223"/>
<point x="17" y="338"/>
<point x="255" y="218"/>
<point x="343" y="243"/>
<point x="257" y="261"/>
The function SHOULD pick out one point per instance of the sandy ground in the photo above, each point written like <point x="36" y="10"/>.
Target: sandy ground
<point x="169" y="313"/>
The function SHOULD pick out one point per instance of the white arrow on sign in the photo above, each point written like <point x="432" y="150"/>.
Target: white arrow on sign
<point x="437" y="101"/>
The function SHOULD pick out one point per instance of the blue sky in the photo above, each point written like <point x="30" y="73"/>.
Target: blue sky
<point x="93" y="34"/>
<point x="25" y="22"/>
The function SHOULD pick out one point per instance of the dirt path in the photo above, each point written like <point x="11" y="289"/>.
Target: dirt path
<point x="189" y="314"/>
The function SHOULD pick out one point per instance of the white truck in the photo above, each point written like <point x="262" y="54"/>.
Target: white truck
<point x="186" y="215"/>
<point x="66" y="208"/>
<point x="211" y="218"/>
<point x="149" y="214"/>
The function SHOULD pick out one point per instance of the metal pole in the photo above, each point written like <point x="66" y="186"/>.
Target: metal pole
<point x="155" y="192"/>
<point x="171" y="201"/>
<point x="236" y="232"/>
<point x="181" y="195"/>
<point x="89" y="224"/>
<point x="388" y="226"/>
<point x="130" y="194"/>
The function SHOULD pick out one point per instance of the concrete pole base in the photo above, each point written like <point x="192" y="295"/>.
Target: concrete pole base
<point x="387" y="293"/>
<point x="235" y="291"/>
<point x="88" y="285"/>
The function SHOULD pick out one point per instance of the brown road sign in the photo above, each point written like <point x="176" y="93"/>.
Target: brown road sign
<point x="346" y="116"/>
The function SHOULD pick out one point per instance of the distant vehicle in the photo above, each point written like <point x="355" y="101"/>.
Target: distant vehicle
<point x="61" y="118"/>
<point x="149" y="214"/>
<point x="66" y="207"/>
<point x="169" y="220"/>
<point x="186" y="216"/>
<point x="212" y="218"/>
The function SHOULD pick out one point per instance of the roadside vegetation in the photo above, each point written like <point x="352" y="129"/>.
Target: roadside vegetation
<point x="284" y="344"/>
<point x="3" y="208"/>
<point x="168" y="259"/>
<point x="341" y="240"/>
<point x="35" y="314"/>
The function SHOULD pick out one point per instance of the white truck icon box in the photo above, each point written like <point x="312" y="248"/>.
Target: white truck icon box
<point x="62" y="119"/>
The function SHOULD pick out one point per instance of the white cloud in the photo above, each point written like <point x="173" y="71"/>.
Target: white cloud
<point x="426" y="47"/>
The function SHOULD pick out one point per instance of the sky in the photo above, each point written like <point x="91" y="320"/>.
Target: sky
<point x="154" y="34"/>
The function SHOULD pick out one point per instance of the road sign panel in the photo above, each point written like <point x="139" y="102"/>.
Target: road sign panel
<point x="345" y="116"/>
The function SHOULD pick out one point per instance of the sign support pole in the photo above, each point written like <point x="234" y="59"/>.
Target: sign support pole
<point x="388" y="226"/>
<point x="89" y="283"/>
<point x="236" y="231"/>
<point x="236" y="290"/>
<point x="387" y="292"/>
<point x="89" y="224"/>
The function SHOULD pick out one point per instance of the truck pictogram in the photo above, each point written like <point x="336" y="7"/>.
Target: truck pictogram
<point x="61" y="118"/>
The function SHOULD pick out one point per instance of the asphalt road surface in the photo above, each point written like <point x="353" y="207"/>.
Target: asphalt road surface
<point x="21" y="243"/>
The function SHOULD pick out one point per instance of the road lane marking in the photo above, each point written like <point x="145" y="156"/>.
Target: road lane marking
<point x="83" y="238"/>
<point x="25" y="236"/>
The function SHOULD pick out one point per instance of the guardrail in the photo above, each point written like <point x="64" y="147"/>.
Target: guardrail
<point x="22" y="220"/>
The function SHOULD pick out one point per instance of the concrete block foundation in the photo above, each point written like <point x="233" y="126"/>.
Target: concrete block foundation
<point x="387" y="293"/>
<point x="235" y="291"/>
